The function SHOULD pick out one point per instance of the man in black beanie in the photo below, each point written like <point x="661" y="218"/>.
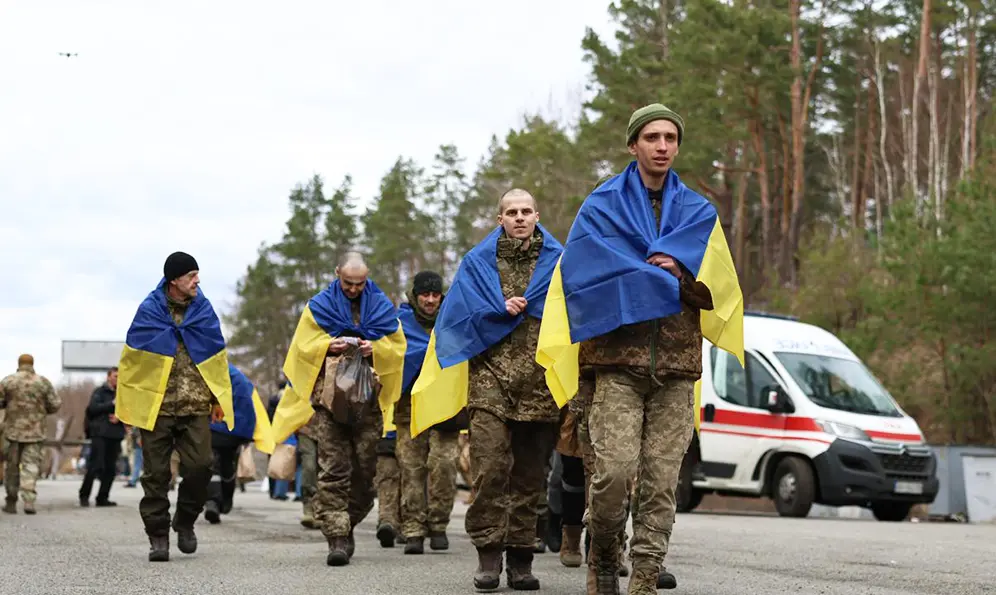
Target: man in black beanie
<point x="188" y="405"/>
<point x="428" y="461"/>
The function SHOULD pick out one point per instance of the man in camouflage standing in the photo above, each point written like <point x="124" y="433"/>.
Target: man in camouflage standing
<point x="428" y="461"/>
<point x="27" y="398"/>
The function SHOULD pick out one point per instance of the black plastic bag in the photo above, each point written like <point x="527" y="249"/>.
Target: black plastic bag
<point x="356" y="388"/>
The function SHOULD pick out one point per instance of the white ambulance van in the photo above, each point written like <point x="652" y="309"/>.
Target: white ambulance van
<point x="805" y="422"/>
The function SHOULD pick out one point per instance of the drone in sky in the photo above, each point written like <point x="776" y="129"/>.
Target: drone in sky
<point x="68" y="55"/>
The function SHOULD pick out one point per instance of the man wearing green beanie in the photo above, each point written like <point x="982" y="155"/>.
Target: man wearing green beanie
<point x="635" y="395"/>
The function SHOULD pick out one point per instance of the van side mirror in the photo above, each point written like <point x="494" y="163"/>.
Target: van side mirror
<point x="775" y="400"/>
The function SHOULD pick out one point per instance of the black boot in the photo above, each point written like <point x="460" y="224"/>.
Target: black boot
<point x="438" y="541"/>
<point x="186" y="540"/>
<point x="386" y="535"/>
<point x="520" y="569"/>
<point x="159" y="548"/>
<point x="212" y="513"/>
<point x="488" y="573"/>
<point x="337" y="555"/>
<point x="553" y="533"/>
<point x="666" y="580"/>
<point x="415" y="545"/>
<point x="350" y="545"/>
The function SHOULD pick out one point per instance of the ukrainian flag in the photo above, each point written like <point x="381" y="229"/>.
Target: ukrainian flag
<point x="147" y="357"/>
<point x="326" y="316"/>
<point x="603" y="281"/>
<point x="251" y="420"/>
<point x="471" y="319"/>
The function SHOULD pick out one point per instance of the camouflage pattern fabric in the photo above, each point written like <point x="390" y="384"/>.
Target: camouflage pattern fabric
<point x="307" y="448"/>
<point x="28" y="398"/>
<point x="24" y="461"/>
<point x="347" y="464"/>
<point x="428" y="480"/>
<point x="506" y="380"/>
<point x="508" y="459"/>
<point x="187" y="394"/>
<point x="388" y="491"/>
<point x="637" y="428"/>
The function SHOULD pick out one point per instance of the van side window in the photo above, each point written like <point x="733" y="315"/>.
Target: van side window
<point x="734" y="385"/>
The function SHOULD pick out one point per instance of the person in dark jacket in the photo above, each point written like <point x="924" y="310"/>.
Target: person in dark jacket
<point x="106" y="433"/>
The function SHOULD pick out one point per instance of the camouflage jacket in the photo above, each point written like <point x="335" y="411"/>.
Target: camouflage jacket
<point x="505" y="379"/>
<point x="403" y="408"/>
<point x="27" y="398"/>
<point x="669" y="346"/>
<point x="186" y="391"/>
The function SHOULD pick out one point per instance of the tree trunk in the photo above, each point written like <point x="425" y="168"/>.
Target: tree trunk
<point x="763" y="183"/>
<point x="866" y="184"/>
<point x="970" y="86"/>
<point x="883" y="130"/>
<point x="918" y="80"/>
<point x="741" y="233"/>
<point x="856" y="165"/>
<point x="665" y="12"/>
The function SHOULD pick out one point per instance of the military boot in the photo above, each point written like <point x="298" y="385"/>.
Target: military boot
<point x="570" y="546"/>
<point x="212" y="512"/>
<point x="415" y="545"/>
<point x="186" y="540"/>
<point x="386" y="534"/>
<point x="159" y="548"/>
<point x="644" y="579"/>
<point x="540" y="547"/>
<point x="350" y="544"/>
<point x="29" y="507"/>
<point x="438" y="541"/>
<point x="338" y="555"/>
<point x="603" y="571"/>
<point x="666" y="580"/>
<point x="520" y="569"/>
<point x="308" y="516"/>
<point x="554" y="533"/>
<point x="400" y="539"/>
<point x="489" y="565"/>
<point x="10" y="507"/>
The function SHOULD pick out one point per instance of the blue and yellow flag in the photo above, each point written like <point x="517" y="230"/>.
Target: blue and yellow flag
<point x="471" y="319"/>
<point x="603" y="281"/>
<point x="328" y="315"/>
<point x="417" y="340"/>
<point x="251" y="421"/>
<point x="147" y="357"/>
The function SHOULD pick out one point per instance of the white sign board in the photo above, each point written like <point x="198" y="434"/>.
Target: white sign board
<point x="980" y="488"/>
<point x="87" y="356"/>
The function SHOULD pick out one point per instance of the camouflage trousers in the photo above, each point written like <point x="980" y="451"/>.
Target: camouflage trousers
<point x="23" y="466"/>
<point x="508" y="459"/>
<point x="347" y="464"/>
<point x="637" y="429"/>
<point x="428" y="480"/>
<point x="307" y="448"/>
<point x="388" y="489"/>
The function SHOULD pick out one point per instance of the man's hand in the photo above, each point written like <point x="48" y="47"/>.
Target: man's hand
<point x="114" y="418"/>
<point x="516" y="305"/>
<point x="366" y="348"/>
<point x="665" y="262"/>
<point x="337" y="346"/>
<point x="217" y="414"/>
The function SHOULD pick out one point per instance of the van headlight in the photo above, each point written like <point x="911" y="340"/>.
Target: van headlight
<point x="843" y="430"/>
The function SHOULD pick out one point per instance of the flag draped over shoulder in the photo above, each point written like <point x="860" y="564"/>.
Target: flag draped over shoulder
<point x="417" y="340"/>
<point x="149" y="351"/>
<point x="326" y="316"/>
<point x="471" y="319"/>
<point x="251" y="421"/>
<point x="603" y="281"/>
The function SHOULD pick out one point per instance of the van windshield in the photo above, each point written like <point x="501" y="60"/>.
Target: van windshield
<point x="837" y="383"/>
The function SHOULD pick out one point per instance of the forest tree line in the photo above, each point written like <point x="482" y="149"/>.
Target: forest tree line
<point x="848" y="147"/>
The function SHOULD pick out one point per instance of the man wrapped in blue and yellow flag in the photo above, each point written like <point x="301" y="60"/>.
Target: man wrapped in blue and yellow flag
<point x="646" y="272"/>
<point x="252" y="425"/>
<point x="481" y="355"/>
<point x="172" y="382"/>
<point x="351" y="313"/>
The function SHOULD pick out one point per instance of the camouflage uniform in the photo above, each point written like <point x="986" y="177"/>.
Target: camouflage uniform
<point x="428" y="465"/>
<point x="513" y="425"/>
<point x="388" y="487"/>
<point x="182" y="427"/>
<point x="639" y="423"/>
<point x="347" y="464"/>
<point x="307" y="448"/>
<point x="28" y="398"/>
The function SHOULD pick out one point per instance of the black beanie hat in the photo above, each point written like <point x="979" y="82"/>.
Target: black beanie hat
<point x="427" y="282"/>
<point x="178" y="264"/>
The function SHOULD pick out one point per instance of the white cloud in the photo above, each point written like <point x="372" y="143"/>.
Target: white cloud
<point x="185" y="125"/>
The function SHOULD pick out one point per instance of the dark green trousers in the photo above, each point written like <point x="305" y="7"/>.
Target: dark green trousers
<point x="190" y="436"/>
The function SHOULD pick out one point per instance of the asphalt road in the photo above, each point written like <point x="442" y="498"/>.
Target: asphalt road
<point x="261" y="548"/>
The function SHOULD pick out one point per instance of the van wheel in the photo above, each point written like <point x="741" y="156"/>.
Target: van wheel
<point x="793" y="487"/>
<point x="686" y="497"/>
<point x="891" y="512"/>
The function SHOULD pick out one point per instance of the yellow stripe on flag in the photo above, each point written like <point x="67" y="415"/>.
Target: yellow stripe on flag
<point x="262" y="434"/>
<point x="214" y="371"/>
<point x="142" y="378"/>
<point x="438" y="394"/>
<point x="723" y="326"/>
<point x="554" y="351"/>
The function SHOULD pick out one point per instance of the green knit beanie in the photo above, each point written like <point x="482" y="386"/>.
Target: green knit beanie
<point x="649" y="113"/>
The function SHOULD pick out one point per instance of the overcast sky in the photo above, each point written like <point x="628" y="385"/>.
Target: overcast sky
<point x="184" y="125"/>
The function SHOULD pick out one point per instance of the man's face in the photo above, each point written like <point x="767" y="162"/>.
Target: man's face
<point x="353" y="281"/>
<point x="112" y="379"/>
<point x="656" y="147"/>
<point x="518" y="216"/>
<point x="428" y="303"/>
<point x="186" y="285"/>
